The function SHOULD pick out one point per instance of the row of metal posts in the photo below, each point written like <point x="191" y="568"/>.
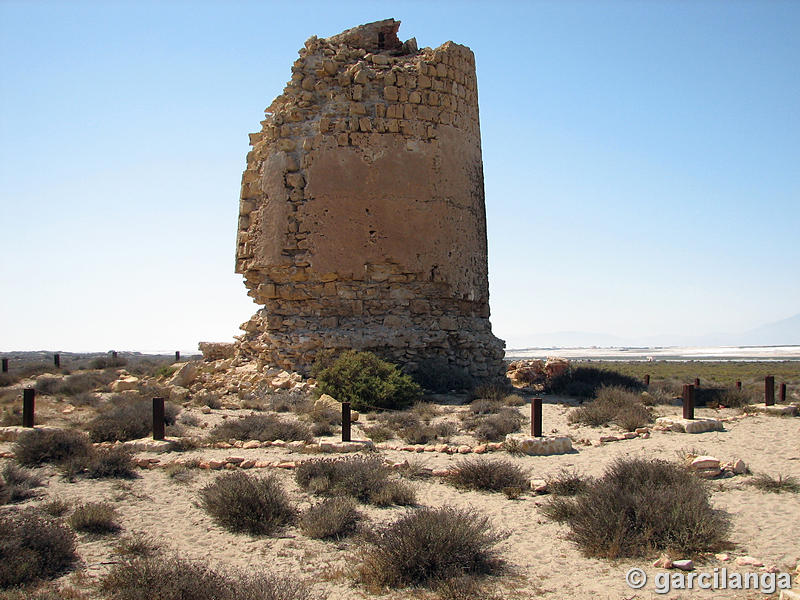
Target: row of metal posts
<point x="57" y="360"/>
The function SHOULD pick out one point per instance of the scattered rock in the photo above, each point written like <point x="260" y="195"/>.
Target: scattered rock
<point x="663" y="562"/>
<point x="683" y="565"/>
<point x="749" y="561"/>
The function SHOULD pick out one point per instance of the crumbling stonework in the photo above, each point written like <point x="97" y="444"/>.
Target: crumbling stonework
<point x="362" y="221"/>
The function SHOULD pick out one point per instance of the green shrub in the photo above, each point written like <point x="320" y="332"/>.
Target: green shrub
<point x="56" y="446"/>
<point x="333" y="518"/>
<point x="128" y="419"/>
<point x="365" y="479"/>
<point x="429" y="545"/>
<point x="266" y="427"/>
<point x="17" y="484"/>
<point x="244" y="503"/>
<point x="487" y="475"/>
<point x="180" y="579"/>
<point x="95" y="517"/>
<point x="585" y="381"/>
<point x="33" y="547"/>
<point x="366" y="381"/>
<point x="613" y="404"/>
<point x="640" y="507"/>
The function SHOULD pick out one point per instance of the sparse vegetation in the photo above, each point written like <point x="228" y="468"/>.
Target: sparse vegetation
<point x="55" y="507"/>
<point x="333" y="518"/>
<point x="427" y="546"/>
<point x="488" y="475"/>
<point x="365" y="479"/>
<point x="584" y="382"/>
<point x="613" y="404"/>
<point x="493" y="427"/>
<point x="17" y="484"/>
<point x="244" y="503"/>
<point x="180" y="579"/>
<point x="128" y="419"/>
<point x="639" y="507"/>
<point x="95" y="517"/>
<point x="364" y="380"/>
<point x="138" y="545"/>
<point x="781" y="483"/>
<point x="568" y="483"/>
<point x="267" y="427"/>
<point x="33" y="547"/>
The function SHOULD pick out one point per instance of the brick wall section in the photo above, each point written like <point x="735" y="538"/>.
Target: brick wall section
<point x="362" y="221"/>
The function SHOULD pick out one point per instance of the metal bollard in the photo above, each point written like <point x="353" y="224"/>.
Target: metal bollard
<point x="5" y="365"/>
<point x="114" y="354"/>
<point x="536" y="417"/>
<point x="177" y="356"/>
<point x="688" y="401"/>
<point x="158" y="418"/>
<point x="738" y="386"/>
<point x="696" y="382"/>
<point x="28" y="396"/>
<point x="647" y="380"/>
<point x="345" y="421"/>
<point x="57" y="360"/>
<point x="782" y="393"/>
<point x="769" y="390"/>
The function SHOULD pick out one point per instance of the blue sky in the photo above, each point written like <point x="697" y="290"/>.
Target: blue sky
<point x="641" y="161"/>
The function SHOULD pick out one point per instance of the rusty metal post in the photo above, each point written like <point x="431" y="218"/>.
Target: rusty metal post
<point x="28" y="396"/>
<point x="536" y="417"/>
<point x="177" y="356"/>
<point x="782" y="393"/>
<point x="5" y="365"/>
<point x="688" y="401"/>
<point x="158" y="418"/>
<point x="345" y="421"/>
<point x="738" y="386"/>
<point x="769" y="390"/>
<point x="696" y="382"/>
<point x="647" y="381"/>
<point x="57" y="360"/>
<point x="114" y="354"/>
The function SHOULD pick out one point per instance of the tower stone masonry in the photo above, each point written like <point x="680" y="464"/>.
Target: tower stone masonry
<point x="362" y="222"/>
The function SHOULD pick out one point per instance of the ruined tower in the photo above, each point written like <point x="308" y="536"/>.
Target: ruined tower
<point x="362" y="222"/>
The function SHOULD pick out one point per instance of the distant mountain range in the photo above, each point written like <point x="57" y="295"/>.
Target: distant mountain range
<point x="785" y="332"/>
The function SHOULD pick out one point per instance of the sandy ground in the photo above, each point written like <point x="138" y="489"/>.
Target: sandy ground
<point x="677" y="353"/>
<point x="542" y="563"/>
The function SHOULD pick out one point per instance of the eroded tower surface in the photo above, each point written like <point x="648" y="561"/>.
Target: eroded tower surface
<point x="362" y="221"/>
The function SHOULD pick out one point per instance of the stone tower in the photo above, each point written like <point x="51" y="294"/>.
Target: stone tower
<point x="362" y="222"/>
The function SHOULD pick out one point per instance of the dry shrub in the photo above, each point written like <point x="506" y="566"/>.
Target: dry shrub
<point x="33" y="547"/>
<point x="57" y="446"/>
<point x="138" y="545"/>
<point x="427" y="546"/>
<point x="568" y="483"/>
<point x="586" y="381"/>
<point x="180" y="579"/>
<point x="244" y="503"/>
<point x="95" y="517"/>
<point x="362" y="478"/>
<point x="781" y="483"/>
<point x="17" y="484"/>
<point x="484" y="407"/>
<point x="487" y="475"/>
<point x="50" y="591"/>
<point x="378" y="433"/>
<point x="463" y="587"/>
<point x="425" y="434"/>
<point x="263" y="428"/>
<point x="492" y="392"/>
<point x="55" y="507"/>
<point x="333" y="518"/>
<point x="179" y="472"/>
<point x="640" y="507"/>
<point x="514" y="400"/>
<point x="613" y="404"/>
<point x="493" y="427"/>
<point x="128" y="419"/>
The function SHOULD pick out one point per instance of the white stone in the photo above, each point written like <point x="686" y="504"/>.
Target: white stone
<point x="705" y="462"/>
<point x="542" y="446"/>
<point x="185" y="375"/>
<point x="125" y="383"/>
<point x="690" y="425"/>
<point x="683" y="565"/>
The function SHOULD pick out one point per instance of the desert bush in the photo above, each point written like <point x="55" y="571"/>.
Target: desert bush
<point x="494" y="427"/>
<point x="33" y="547"/>
<point x="57" y="446"/>
<point x="332" y="518"/>
<point x="244" y="503"/>
<point x="425" y="434"/>
<point x="17" y="484"/>
<point x="781" y="483"/>
<point x="85" y="399"/>
<point x="429" y="545"/>
<point x="11" y="417"/>
<point x="463" y="587"/>
<point x="426" y="411"/>
<point x="613" y="404"/>
<point x="365" y="479"/>
<point x="586" y="381"/>
<point x="72" y="385"/>
<point x="437" y="375"/>
<point x="138" y="545"/>
<point x="189" y="419"/>
<point x="378" y="433"/>
<point x="568" y="483"/>
<point x="640" y="507"/>
<point x="94" y="517"/>
<point x="514" y="400"/>
<point x="324" y="420"/>
<point x="128" y="419"/>
<point x="180" y="473"/>
<point x="484" y="407"/>
<point x="365" y="381"/>
<point x="55" y="507"/>
<point x="493" y="392"/>
<point x="180" y="579"/>
<point x="261" y="427"/>
<point x="732" y="398"/>
<point x="487" y="475"/>
<point x="111" y="463"/>
<point x="107" y="362"/>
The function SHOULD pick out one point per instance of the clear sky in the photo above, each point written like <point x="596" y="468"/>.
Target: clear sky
<point x="642" y="161"/>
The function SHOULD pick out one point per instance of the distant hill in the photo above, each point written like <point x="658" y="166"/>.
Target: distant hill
<point x="785" y="331"/>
